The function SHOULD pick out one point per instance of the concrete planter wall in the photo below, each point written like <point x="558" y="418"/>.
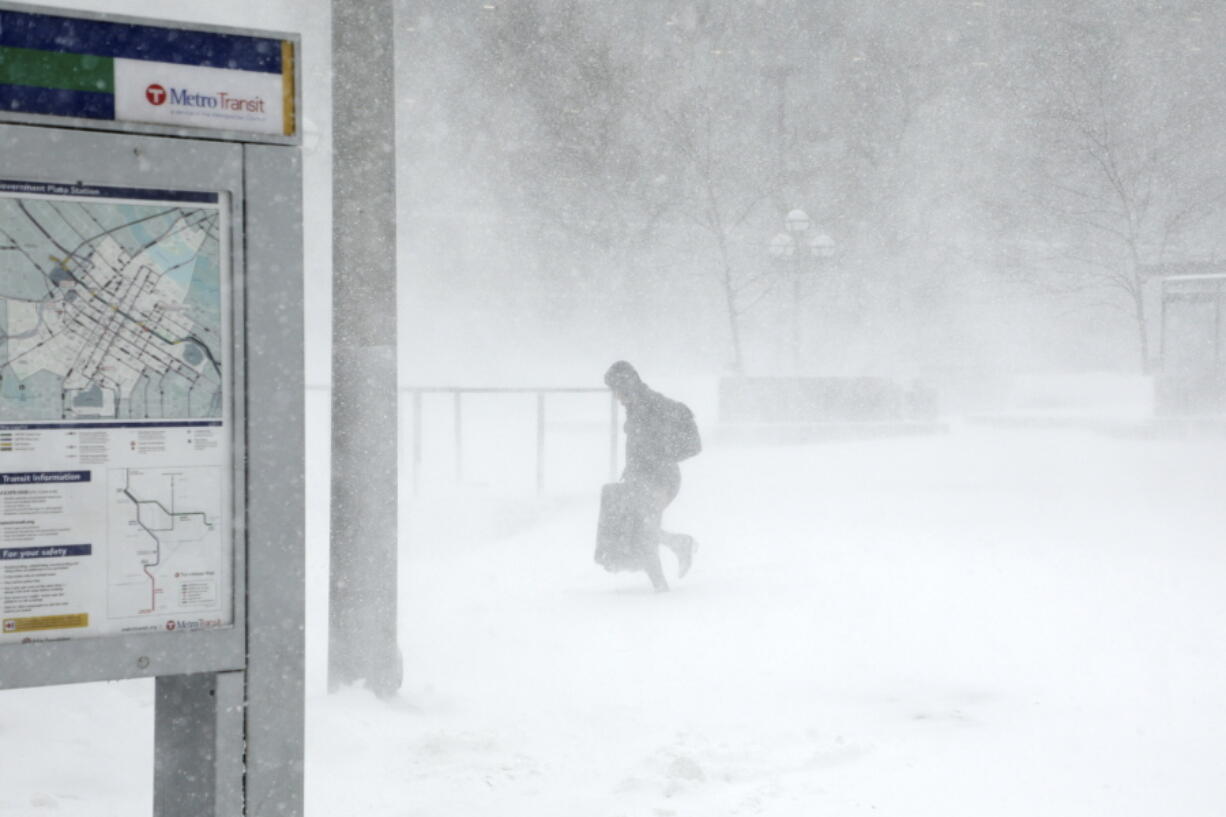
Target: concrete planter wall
<point x="823" y="400"/>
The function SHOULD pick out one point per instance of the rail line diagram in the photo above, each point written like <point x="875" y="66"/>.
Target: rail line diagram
<point x="165" y="544"/>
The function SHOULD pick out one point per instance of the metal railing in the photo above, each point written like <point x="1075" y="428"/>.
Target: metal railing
<point x="458" y="393"/>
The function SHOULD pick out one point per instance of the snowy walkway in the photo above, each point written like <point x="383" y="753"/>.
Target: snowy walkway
<point x="973" y="624"/>
<point x="982" y="623"/>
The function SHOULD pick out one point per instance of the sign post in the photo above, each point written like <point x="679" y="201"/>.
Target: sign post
<point x="151" y="523"/>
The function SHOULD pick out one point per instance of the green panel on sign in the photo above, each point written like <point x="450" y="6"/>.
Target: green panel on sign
<point x="48" y="69"/>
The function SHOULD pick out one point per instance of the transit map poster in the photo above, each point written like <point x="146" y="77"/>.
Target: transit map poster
<point x="115" y="421"/>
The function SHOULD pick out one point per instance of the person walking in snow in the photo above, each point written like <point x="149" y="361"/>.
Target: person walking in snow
<point x="659" y="433"/>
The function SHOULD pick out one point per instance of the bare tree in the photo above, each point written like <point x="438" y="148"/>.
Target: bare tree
<point x="717" y="198"/>
<point x="1128" y="168"/>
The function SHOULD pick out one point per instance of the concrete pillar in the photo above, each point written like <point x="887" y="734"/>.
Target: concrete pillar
<point x="362" y="620"/>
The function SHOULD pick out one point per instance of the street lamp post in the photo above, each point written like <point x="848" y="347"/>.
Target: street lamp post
<point x="799" y="247"/>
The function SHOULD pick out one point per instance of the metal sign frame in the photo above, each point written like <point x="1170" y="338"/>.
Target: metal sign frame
<point x="229" y="702"/>
<point x="111" y="160"/>
<point x="1202" y="389"/>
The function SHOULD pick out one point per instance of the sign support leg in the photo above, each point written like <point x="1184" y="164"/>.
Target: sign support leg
<point x="198" y="745"/>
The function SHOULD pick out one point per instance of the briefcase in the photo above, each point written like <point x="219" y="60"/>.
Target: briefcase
<point x="618" y="539"/>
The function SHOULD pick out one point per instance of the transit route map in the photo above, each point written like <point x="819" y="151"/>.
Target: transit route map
<point x="110" y="305"/>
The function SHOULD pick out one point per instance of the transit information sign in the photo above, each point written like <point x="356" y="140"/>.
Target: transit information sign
<point x="105" y="70"/>
<point x="115" y="411"/>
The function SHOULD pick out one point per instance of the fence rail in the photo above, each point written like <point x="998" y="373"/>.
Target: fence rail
<point x="458" y="393"/>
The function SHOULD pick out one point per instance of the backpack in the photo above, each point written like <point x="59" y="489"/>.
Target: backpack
<point x="679" y="437"/>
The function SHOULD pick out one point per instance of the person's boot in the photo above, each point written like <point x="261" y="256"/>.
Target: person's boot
<point x="685" y="555"/>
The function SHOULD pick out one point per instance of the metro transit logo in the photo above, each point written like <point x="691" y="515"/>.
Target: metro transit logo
<point x="187" y="625"/>
<point x="157" y="95"/>
<point x="200" y="96"/>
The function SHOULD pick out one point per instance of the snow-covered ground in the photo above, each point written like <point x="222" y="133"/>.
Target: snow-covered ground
<point x="977" y="623"/>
